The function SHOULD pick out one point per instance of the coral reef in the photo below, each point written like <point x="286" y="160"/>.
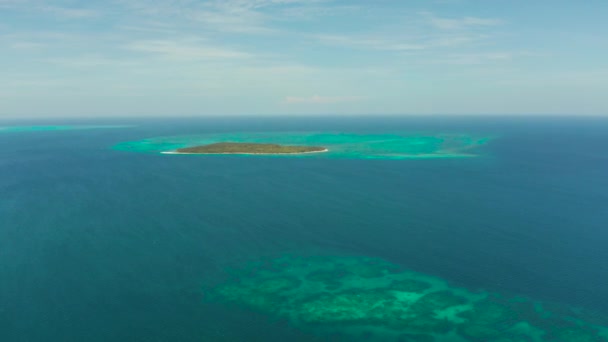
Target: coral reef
<point x="404" y="145"/>
<point x="370" y="299"/>
<point x="488" y="321"/>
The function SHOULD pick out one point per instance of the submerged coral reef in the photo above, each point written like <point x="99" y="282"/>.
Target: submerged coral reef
<point x="370" y="299"/>
<point x="402" y="145"/>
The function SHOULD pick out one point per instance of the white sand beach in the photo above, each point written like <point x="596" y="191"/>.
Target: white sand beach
<point x="246" y="153"/>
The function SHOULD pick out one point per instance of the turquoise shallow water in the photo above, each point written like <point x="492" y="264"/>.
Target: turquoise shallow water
<point x="340" y="145"/>
<point x="357" y="298"/>
<point x="104" y="243"/>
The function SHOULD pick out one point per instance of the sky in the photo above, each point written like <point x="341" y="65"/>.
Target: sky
<point x="70" y="58"/>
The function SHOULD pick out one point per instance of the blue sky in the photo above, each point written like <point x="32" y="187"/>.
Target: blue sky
<point x="295" y="57"/>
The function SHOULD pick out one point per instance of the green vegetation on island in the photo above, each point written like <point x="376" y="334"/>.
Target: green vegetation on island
<point x="249" y="148"/>
<point x="341" y="145"/>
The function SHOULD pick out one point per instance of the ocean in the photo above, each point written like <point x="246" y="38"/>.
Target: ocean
<point x="100" y="242"/>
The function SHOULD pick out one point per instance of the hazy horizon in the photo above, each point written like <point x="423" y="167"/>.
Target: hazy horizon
<point x="117" y="118"/>
<point x="147" y="58"/>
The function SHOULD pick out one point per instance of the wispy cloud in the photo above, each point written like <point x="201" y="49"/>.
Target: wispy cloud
<point x="12" y="3"/>
<point x="315" y="11"/>
<point x="423" y="31"/>
<point x="370" y="42"/>
<point x="356" y="56"/>
<point x="60" y="11"/>
<point x="237" y="20"/>
<point x="68" y="12"/>
<point x="236" y="16"/>
<point x="26" y="45"/>
<point x="463" y="23"/>
<point x="264" y="3"/>
<point x="185" y="49"/>
<point x="316" y="99"/>
<point x="90" y="61"/>
<point x="475" y="58"/>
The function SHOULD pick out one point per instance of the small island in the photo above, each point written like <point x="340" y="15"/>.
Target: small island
<point x="248" y="148"/>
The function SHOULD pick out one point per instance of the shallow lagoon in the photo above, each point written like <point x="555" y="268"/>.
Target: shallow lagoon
<point x="340" y="145"/>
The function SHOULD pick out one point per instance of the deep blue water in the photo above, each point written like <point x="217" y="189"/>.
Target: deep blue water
<point x="104" y="245"/>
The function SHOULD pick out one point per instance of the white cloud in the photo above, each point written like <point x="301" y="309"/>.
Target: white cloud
<point x="264" y="3"/>
<point x="314" y="12"/>
<point x="234" y="20"/>
<point x="475" y="58"/>
<point x="43" y="6"/>
<point x="370" y="42"/>
<point x="90" y="61"/>
<point x="71" y="13"/>
<point x="423" y="31"/>
<point x="259" y="51"/>
<point x="25" y="45"/>
<point x="236" y="16"/>
<point x="485" y="58"/>
<point x="316" y="99"/>
<point x="12" y="3"/>
<point x="187" y="49"/>
<point x="462" y="23"/>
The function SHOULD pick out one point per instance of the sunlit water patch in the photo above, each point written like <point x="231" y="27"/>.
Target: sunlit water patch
<point x="45" y="128"/>
<point x="340" y="145"/>
<point x="369" y="299"/>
